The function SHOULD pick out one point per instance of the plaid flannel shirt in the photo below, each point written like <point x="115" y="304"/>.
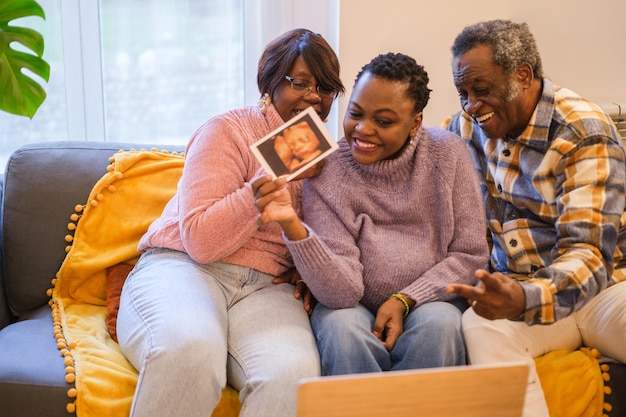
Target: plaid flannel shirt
<point x="554" y="198"/>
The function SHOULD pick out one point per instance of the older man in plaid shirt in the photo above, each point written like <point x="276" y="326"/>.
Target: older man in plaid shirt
<point x="552" y="171"/>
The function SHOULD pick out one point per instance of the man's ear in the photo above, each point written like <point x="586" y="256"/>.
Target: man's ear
<point x="524" y="75"/>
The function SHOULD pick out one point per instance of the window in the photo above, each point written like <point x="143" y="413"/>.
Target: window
<point x="133" y="70"/>
<point x="152" y="71"/>
<point x="166" y="72"/>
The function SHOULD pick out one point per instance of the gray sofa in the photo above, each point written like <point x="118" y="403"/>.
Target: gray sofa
<point x="42" y="184"/>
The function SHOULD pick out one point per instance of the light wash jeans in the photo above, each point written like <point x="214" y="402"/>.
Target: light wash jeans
<point x="190" y="328"/>
<point x="600" y="324"/>
<point x="432" y="337"/>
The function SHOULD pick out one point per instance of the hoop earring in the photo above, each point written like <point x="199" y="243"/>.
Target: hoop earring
<point x="265" y="101"/>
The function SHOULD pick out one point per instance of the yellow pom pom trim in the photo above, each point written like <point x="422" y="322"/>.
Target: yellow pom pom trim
<point x="68" y="359"/>
<point x="604" y="368"/>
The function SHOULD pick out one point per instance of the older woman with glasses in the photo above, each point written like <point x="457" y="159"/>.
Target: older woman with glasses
<point x="200" y="308"/>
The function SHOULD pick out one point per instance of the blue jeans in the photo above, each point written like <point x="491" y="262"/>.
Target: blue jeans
<point x="190" y="328"/>
<point x="432" y="337"/>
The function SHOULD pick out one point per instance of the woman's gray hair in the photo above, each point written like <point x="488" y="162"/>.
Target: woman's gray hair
<point x="512" y="44"/>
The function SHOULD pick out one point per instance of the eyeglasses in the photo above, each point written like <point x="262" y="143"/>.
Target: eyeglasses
<point x="304" y="87"/>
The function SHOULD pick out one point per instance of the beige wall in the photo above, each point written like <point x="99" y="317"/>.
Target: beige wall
<point x="582" y="42"/>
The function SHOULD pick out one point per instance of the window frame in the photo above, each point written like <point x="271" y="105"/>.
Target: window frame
<point x="82" y="59"/>
<point x="81" y="28"/>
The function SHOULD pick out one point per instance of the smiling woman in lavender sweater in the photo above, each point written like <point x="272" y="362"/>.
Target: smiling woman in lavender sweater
<point x="395" y="216"/>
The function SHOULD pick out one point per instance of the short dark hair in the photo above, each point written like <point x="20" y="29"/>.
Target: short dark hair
<point x="401" y="67"/>
<point x="280" y="54"/>
<point x="512" y="44"/>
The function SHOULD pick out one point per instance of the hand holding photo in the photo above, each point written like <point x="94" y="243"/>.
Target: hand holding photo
<point x="294" y="147"/>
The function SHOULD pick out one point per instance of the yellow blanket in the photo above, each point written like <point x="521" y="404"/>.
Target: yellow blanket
<point x="119" y="210"/>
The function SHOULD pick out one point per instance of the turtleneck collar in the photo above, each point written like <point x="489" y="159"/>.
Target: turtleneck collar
<point x="386" y="171"/>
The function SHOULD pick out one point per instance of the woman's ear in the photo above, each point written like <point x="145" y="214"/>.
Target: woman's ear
<point x="417" y="122"/>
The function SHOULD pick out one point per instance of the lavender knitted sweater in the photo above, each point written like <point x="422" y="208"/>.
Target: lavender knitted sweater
<point x="413" y="224"/>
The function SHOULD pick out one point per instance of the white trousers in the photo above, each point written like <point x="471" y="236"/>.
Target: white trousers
<point x="600" y="324"/>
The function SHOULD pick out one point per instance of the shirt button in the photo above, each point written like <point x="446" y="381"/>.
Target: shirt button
<point x="513" y="242"/>
<point x="506" y="152"/>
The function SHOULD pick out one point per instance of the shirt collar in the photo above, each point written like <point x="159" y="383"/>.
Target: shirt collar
<point x="537" y="133"/>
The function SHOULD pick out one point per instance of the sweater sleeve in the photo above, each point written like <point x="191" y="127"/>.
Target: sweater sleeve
<point x="217" y="212"/>
<point x="330" y="267"/>
<point x="335" y="281"/>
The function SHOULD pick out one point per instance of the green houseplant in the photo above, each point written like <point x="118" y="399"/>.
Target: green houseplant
<point x="21" y="94"/>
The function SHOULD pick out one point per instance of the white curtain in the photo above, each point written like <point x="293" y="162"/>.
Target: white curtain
<point x="266" y="19"/>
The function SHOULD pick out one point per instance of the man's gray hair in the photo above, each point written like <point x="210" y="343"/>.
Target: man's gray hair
<point x="512" y="43"/>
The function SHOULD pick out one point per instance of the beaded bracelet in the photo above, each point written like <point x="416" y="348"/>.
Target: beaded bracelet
<point x="406" y="305"/>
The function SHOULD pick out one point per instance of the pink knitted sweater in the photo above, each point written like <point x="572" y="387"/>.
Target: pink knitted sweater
<point x="212" y="216"/>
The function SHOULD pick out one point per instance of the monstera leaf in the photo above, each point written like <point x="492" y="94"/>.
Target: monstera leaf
<point x="19" y="93"/>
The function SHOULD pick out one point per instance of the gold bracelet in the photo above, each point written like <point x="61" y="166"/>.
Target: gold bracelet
<point x="406" y="305"/>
